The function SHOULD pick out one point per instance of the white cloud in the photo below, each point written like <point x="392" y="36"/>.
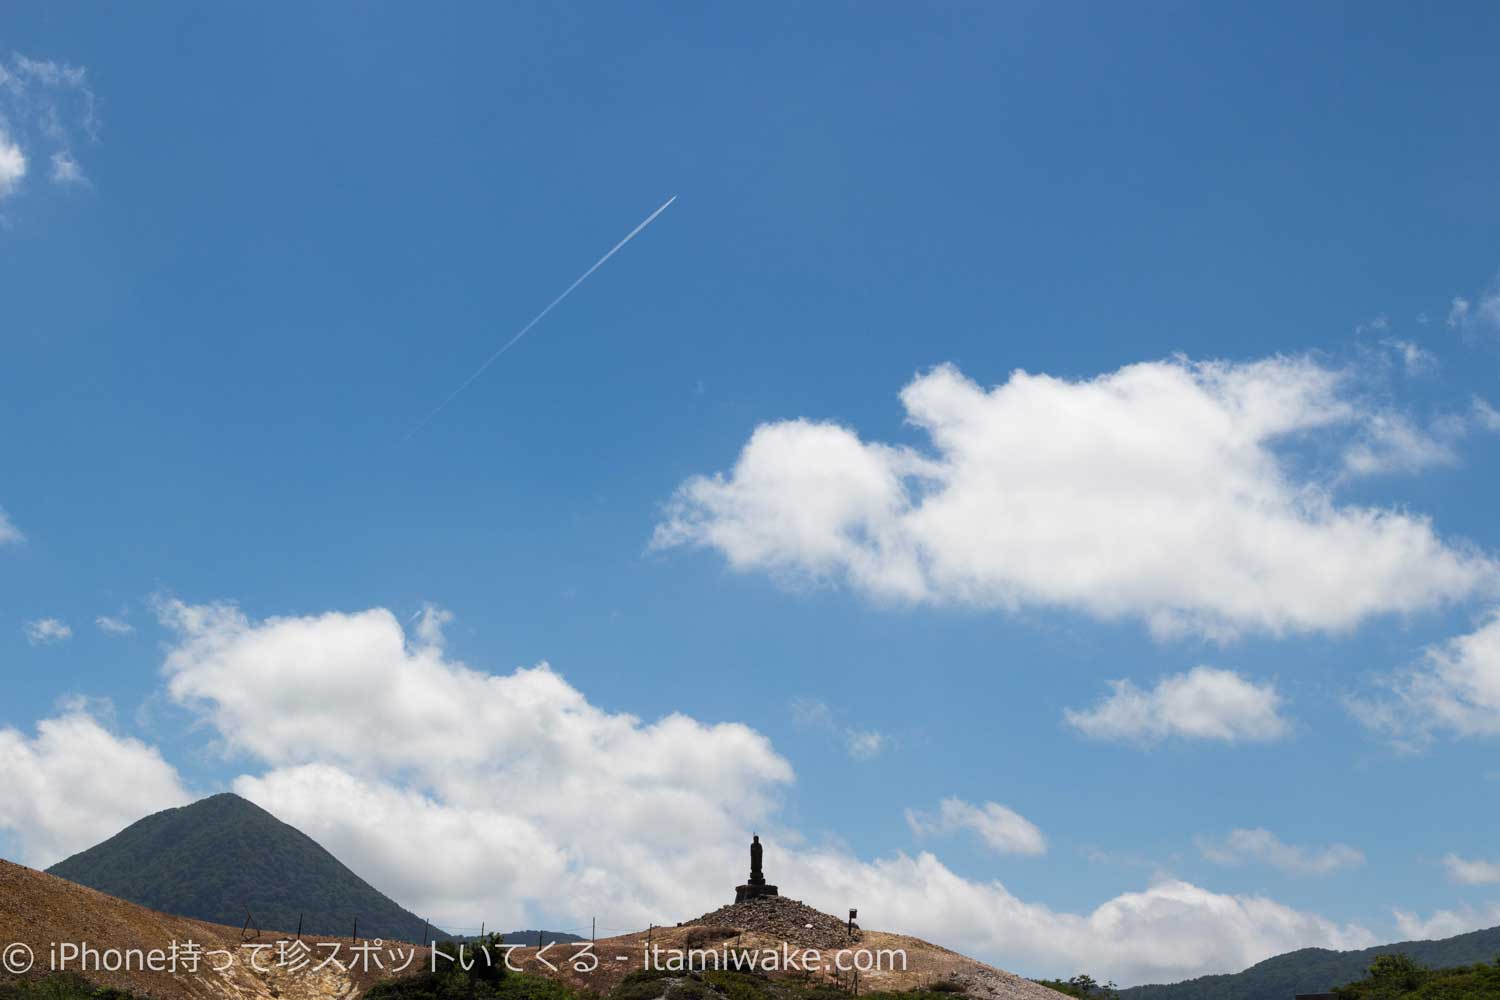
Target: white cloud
<point x="1392" y="443"/>
<point x="1485" y="415"/>
<point x="45" y="631"/>
<point x="1206" y="703"/>
<point x="1169" y="931"/>
<point x="346" y="813"/>
<point x="860" y="744"/>
<point x="1446" y="923"/>
<point x="114" y="625"/>
<point x="65" y="169"/>
<point x="1454" y="688"/>
<point x="1458" y="312"/>
<point x="1156" y="492"/>
<point x="635" y="803"/>
<point x="1475" y="872"/>
<point x="864" y="744"/>
<point x="1264" y="847"/>
<point x="56" y="93"/>
<point x="9" y="533"/>
<point x="75" y="784"/>
<point x="1389" y="442"/>
<point x="1003" y="830"/>
<point x="47" y="103"/>
<point x="1479" y="312"/>
<point x="812" y="714"/>
<point x="12" y="165"/>
<point x="1415" y="358"/>
<point x="431" y="620"/>
<point x="591" y="812"/>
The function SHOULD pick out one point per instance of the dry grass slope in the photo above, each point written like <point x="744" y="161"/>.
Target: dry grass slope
<point x="38" y="910"/>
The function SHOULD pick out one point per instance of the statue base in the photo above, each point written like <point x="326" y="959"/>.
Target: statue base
<point x="748" y="891"/>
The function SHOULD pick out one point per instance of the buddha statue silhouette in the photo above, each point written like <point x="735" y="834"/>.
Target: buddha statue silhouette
<point x="756" y="886"/>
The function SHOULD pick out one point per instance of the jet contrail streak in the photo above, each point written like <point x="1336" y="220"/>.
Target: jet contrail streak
<point x="538" y="318"/>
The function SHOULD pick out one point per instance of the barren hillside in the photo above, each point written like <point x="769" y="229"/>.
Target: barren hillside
<point x="41" y="910"/>
<point x="761" y="926"/>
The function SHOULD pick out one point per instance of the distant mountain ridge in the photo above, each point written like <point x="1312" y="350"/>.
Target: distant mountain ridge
<point x="223" y="857"/>
<point x="1318" y="970"/>
<point x="525" y="939"/>
<point x="529" y="938"/>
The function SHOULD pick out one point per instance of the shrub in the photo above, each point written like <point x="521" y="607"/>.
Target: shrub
<point x="1084" y="987"/>
<point x="643" y="984"/>
<point x="60" y="986"/>
<point x="739" y="985"/>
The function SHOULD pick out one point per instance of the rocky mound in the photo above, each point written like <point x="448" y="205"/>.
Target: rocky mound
<point x="784" y="919"/>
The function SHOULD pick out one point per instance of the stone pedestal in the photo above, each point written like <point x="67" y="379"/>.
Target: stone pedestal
<point x="748" y="891"/>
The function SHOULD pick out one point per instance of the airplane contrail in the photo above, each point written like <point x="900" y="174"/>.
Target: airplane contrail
<point x="538" y="317"/>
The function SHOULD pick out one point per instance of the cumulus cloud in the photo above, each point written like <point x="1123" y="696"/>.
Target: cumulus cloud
<point x="638" y="805"/>
<point x="114" y="625"/>
<point x="1169" y="931"/>
<point x="345" y="813"/>
<point x="1264" y="847"/>
<point x="1446" y="923"/>
<point x="1471" y="872"/>
<point x="1161" y="491"/>
<point x="75" y="783"/>
<point x="1481" y="312"/>
<point x="1206" y="703"/>
<point x="45" y="631"/>
<point x="1003" y="830"/>
<point x="1454" y="688"/>
<point x="12" y="165"/>
<point x="1392" y="443"/>
<point x="48" y="104"/>
<point x="1415" y="358"/>
<point x="379" y="745"/>
<point x="9" y="533"/>
<point x="860" y="744"/>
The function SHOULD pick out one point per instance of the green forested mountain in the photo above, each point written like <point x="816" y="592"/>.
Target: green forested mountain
<point x="222" y="857"/>
<point x="1397" y="977"/>
<point x="1318" y="970"/>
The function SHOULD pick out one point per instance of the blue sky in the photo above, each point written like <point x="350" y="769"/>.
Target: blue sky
<point x="284" y="237"/>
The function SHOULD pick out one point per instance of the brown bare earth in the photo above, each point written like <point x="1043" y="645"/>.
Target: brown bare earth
<point x="40" y="910"/>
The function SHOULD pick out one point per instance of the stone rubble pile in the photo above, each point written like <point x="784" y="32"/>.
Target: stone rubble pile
<point x="786" y="920"/>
